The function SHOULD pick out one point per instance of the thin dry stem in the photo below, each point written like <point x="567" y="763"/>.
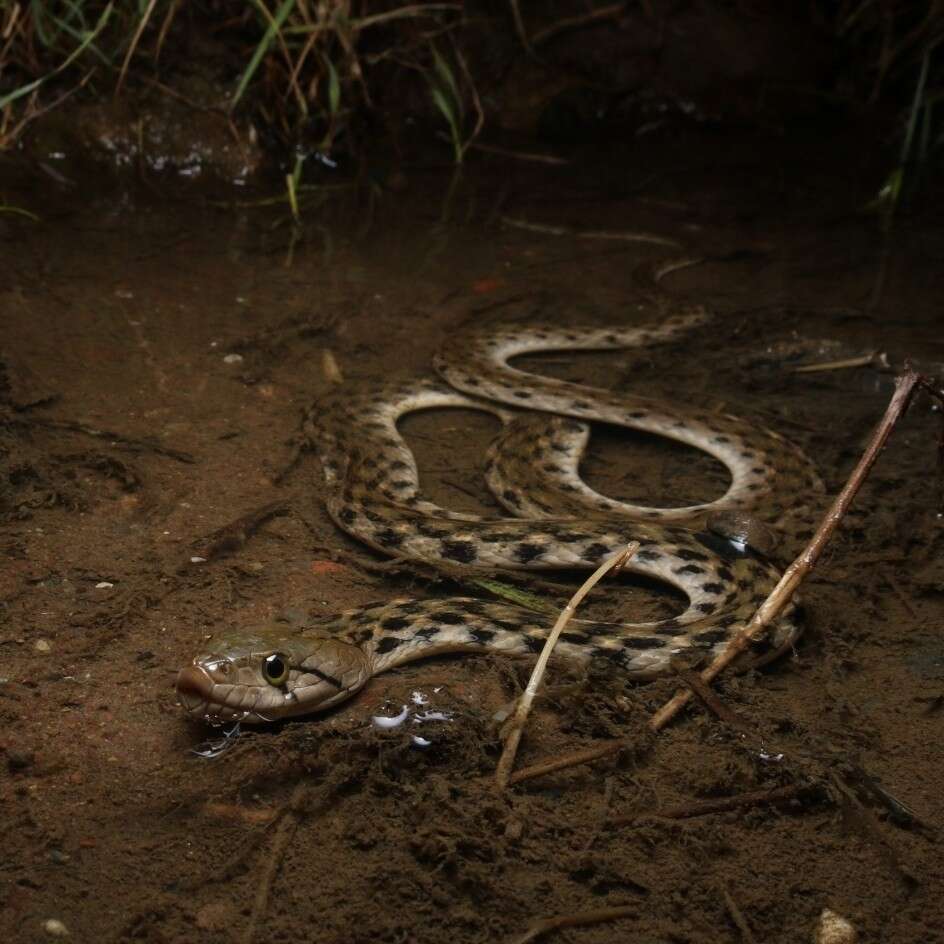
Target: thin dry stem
<point x="718" y="805"/>
<point x="596" y="916"/>
<point x="627" y="236"/>
<point x="411" y="10"/>
<point x="503" y="772"/>
<point x="866" y="360"/>
<point x="285" y="831"/>
<point x="520" y="28"/>
<point x="737" y="916"/>
<point x="614" y="11"/>
<point x="142" y="25"/>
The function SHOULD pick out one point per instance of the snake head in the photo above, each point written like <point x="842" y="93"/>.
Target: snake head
<point x="270" y="673"/>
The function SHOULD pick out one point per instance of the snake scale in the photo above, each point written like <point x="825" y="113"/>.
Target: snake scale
<point x="532" y="468"/>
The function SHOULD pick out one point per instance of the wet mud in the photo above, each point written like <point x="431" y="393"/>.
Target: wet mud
<point x="158" y="356"/>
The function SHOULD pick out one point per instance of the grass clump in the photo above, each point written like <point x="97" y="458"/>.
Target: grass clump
<point x="301" y="69"/>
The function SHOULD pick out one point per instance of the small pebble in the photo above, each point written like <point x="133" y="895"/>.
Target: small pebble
<point x="42" y="645"/>
<point x="233" y="359"/>
<point x="216" y="916"/>
<point x="55" y="928"/>
<point x="833" y="928"/>
<point x="103" y="585"/>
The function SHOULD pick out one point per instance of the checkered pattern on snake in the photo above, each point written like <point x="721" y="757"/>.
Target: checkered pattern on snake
<point x="556" y="521"/>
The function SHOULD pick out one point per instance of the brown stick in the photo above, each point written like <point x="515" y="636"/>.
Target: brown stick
<point x="232" y="536"/>
<point x="708" y="698"/>
<point x="541" y="927"/>
<point x="283" y="836"/>
<point x="568" y="760"/>
<point x="780" y="596"/>
<point x="719" y="805"/>
<point x="613" y="11"/>
<point x="117" y="439"/>
<point x="737" y="916"/>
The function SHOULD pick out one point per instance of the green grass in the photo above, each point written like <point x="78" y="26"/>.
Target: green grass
<point x="298" y="64"/>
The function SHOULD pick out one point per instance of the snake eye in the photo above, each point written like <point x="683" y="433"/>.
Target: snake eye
<point x="274" y="669"/>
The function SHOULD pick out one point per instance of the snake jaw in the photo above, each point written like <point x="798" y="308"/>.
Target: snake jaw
<point x="206" y="691"/>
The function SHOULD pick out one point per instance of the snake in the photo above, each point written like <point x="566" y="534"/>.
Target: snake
<point x="721" y="554"/>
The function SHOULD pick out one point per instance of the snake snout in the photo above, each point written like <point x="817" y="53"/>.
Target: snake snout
<point x="194" y="688"/>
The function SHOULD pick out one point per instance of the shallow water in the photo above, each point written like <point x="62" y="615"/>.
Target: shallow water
<point x="164" y="321"/>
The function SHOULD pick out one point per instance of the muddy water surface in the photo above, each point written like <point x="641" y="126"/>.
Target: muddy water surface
<point x="158" y="355"/>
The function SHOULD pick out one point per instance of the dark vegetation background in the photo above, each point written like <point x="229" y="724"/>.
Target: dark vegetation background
<point x="232" y="88"/>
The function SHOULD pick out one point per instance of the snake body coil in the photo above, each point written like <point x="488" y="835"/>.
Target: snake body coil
<point x="559" y="522"/>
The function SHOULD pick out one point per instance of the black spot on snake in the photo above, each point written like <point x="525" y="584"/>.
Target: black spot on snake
<point x="388" y="644"/>
<point x="689" y="569"/>
<point x="594" y="552"/>
<point x="525" y="552"/>
<point x="450" y="619"/>
<point x="648" y="556"/>
<point x="462" y="551"/>
<point x="389" y="538"/>
<point x="394" y="623"/>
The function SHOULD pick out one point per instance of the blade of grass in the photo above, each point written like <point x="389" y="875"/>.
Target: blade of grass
<point x="19" y="211"/>
<point x="443" y="104"/>
<point x="274" y="25"/>
<point x="519" y="597"/>
<point x="77" y="32"/>
<point x="334" y="88"/>
<point x="448" y="79"/>
<point x="31" y="86"/>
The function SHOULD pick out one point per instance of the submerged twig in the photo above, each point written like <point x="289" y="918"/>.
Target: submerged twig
<point x="117" y="439"/>
<point x="708" y="698"/>
<point x="617" y="235"/>
<point x="532" y="156"/>
<point x="520" y="716"/>
<point x="232" y="536"/>
<point x="611" y="12"/>
<point x="737" y="916"/>
<point x="874" y="359"/>
<point x="598" y="915"/>
<point x="285" y="830"/>
<point x="718" y="805"/>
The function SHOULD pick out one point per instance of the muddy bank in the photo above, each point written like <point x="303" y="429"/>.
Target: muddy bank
<point x="158" y="357"/>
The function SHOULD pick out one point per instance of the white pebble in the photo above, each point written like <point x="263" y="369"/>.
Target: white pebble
<point x="103" y="585"/>
<point x="233" y="359"/>
<point x="834" y="929"/>
<point x="42" y="645"/>
<point x="55" y="928"/>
